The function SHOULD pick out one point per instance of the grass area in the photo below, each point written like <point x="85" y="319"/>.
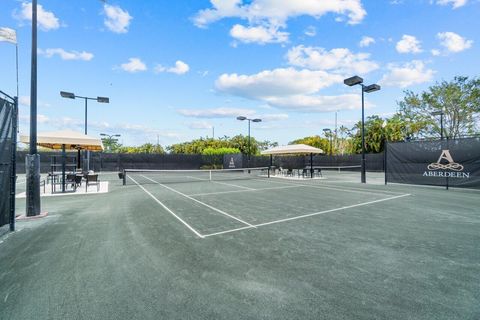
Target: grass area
<point x="247" y="249"/>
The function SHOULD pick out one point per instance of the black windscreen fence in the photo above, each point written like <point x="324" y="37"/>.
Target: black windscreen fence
<point x="454" y="163"/>
<point x="8" y="121"/>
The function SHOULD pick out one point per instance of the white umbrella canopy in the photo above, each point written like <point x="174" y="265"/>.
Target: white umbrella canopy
<point x="71" y="139"/>
<point x="292" y="149"/>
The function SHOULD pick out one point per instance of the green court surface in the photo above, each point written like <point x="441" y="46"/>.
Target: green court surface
<point x="246" y="249"/>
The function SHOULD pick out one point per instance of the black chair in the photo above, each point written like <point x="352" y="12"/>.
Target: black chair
<point x="92" y="179"/>
<point x="70" y="180"/>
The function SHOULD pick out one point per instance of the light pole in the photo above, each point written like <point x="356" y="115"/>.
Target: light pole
<point x="70" y="95"/>
<point x="328" y="134"/>
<point x="356" y="80"/>
<point x="241" y="118"/>
<point x="111" y="139"/>
<point x="439" y="113"/>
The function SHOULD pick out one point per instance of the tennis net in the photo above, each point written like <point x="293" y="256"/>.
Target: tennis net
<point x="142" y="176"/>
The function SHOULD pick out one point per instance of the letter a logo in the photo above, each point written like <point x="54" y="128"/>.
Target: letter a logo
<point x="449" y="165"/>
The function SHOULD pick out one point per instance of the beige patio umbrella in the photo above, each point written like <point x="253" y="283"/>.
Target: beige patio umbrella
<point x="294" y="149"/>
<point x="71" y="139"/>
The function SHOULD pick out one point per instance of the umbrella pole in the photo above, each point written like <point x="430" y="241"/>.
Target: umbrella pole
<point x="78" y="159"/>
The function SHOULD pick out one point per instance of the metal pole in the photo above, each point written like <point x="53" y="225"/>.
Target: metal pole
<point x="363" y="137"/>
<point x="87" y="151"/>
<point x="311" y="165"/>
<point x="248" y="156"/>
<point x="13" y="168"/>
<point x="335" y="129"/>
<point x="441" y="126"/>
<point x="385" y="160"/>
<point x="64" y="156"/>
<point x="16" y="63"/>
<point x="33" y="159"/>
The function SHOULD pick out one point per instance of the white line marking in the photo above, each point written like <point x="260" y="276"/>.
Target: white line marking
<point x="200" y="202"/>
<point x="224" y="183"/>
<point x="237" y="191"/>
<point x="166" y="208"/>
<point x="311" y="214"/>
<point x="339" y="189"/>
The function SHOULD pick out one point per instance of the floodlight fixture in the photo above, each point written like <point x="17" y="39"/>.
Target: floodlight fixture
<point x="256" y="120"/>
<point x="371" y="88"/>
<point x="67" y="95"/>
<point x="103" y="100"/>
<point x="437" y="113"/>
<point x="241" y="118"/>
<point x="352" y="81"/>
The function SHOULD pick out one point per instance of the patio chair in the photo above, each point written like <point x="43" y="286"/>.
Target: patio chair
<point x="70" y="180"/>
<point x="92" y="179"/>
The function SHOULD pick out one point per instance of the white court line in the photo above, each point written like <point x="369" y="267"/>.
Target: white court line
<point x="166" y="208"/>
<point x="237" y="191"/>
<point x="224" y="183"/>
<point x="309" y="215"/>
<point x="200" y="202"/>
<point x="339" y="189"/>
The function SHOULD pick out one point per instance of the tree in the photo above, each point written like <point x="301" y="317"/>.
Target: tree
<point x="111" y="144"/>
<point x="314" y="141"/>
<point x="458" y="99"/>
<point x="144" y="148"/>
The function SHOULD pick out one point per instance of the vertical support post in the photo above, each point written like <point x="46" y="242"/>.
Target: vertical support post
<point x="124" y="177"/>
<point x="441" y="126"/>
<point x="33" y="158"/>
<point x="64" y="156"/>
<point x="311" y="165"/>
<point x="385" y="169"/>
<point x="363" y="136"/>
<point x="249" y="150"/>
<point x="13" y="165"/>
<point x="87" y="152"/>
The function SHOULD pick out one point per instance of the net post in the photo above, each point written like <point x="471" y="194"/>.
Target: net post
<point x="210" y="175"/>
<point x="268" y="172"/>
<point x="124" y="177"/>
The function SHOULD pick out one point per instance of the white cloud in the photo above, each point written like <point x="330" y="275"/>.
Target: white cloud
<point x="366" y="41"/>
<point x="200" y="125"/>
<point x="408" y="44"/>
<point x="306" y="103"/>
<point x="273" y="117"/>
<point x="134" y="65"/>
<point x="277" y="82"/>
<point x="411" y="73"/>
<point x="179" y="68"/>
<point x="278" y="12"/>
<point x="453" y="42"/>
<point x="435" y="52"/>
<point x="46" y="19"/>
<point x="216" y="112"/>
<point x="455" y="3"/>
<point x="259" y="34"/>
<point x="265" y="17"/>
<point x="25" y="101"/>
<point x="116" y="19"/>
<point x="66" y="55"/>
<point x="339" y="60"/>
<point x="311" y="31"/>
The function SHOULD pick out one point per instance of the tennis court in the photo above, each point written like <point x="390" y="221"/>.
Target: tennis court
<point x="213" y="202"/>
<point x="245" y="246"/>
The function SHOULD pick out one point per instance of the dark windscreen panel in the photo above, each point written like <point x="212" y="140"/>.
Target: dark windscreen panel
<point x="454" y="163"/>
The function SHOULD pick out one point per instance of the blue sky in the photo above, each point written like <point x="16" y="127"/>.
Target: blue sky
<point x="175" y="69"/>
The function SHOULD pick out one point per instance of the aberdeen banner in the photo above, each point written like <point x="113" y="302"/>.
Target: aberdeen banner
<point x="454" y="163"/>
